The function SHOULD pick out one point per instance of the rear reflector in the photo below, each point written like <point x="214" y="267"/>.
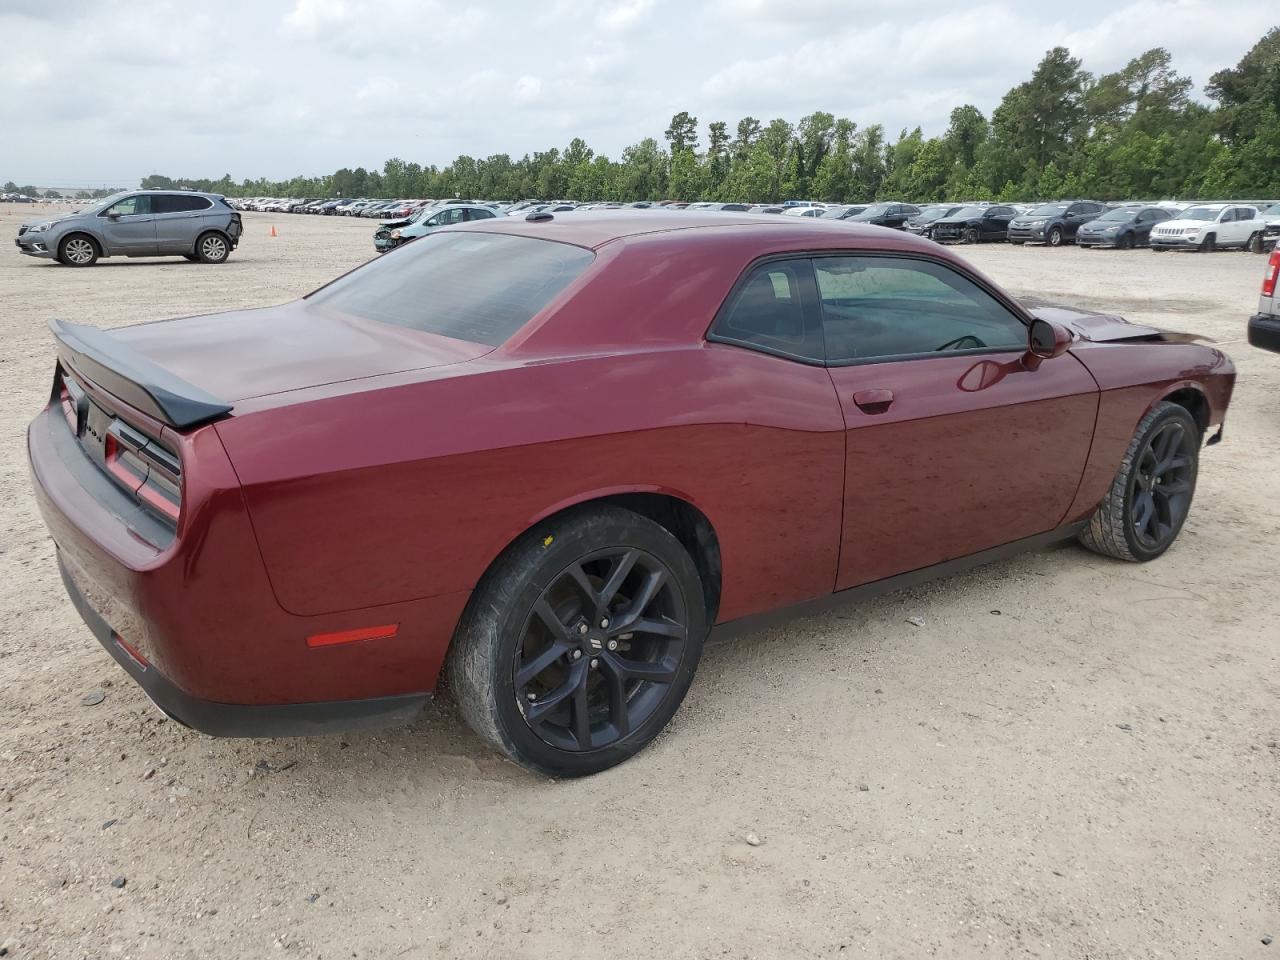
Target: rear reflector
<point x="353" y="636"/>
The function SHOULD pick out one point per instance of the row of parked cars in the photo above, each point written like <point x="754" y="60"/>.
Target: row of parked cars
<point x="1162" y="225"/>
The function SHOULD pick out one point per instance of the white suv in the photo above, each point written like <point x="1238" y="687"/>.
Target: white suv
<point x="1209" y="226"/>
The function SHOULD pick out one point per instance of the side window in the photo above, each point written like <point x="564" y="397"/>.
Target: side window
<point x="451" y="215"/>
<point x="767" y="311"/>
<point x="880" y="308"/>
<point x="130" y="206"/>
<point x="477" y="214"/>
<point x="177" y="203"/>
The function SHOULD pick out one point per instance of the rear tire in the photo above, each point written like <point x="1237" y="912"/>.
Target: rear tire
<point x="1149" y="500"/>
<point x="212" y="247"/>
<point x="78" y="250"/>
<point x="580" y="642"/>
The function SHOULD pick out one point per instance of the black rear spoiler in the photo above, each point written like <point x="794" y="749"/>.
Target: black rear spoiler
<point x="133" y="378"/>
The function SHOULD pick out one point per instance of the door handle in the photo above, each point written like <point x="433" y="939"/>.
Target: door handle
<point x="873" y="401"/>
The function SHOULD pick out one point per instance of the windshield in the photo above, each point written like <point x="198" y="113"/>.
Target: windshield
<point x="968" y="213"/>
<point x="1049" y="209"/>
<point x="934" y="213"/>
<point x="840" y="213"/>
<point x="105" y="202"/>
<point x="508" y="280"/>
<point x="1119" y="215"/>
<point x="1199" y="213"/>
<point x="875" y="210"/>
<point x="1272" y="211"/>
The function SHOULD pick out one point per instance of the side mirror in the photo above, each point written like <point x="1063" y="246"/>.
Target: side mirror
<point x="1045" y="341"/>
<point x="113" y="216"/>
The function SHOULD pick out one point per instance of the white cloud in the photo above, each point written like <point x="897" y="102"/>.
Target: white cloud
<point x="279" y="87"/>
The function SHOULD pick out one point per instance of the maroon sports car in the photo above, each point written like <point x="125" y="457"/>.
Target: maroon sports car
<point x="548" y="454"/>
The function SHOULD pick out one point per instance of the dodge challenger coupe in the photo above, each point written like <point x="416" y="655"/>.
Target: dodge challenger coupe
<point x="543" y="456"/>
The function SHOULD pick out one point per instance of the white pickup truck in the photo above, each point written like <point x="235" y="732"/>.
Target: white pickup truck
<point x="1210" y="226"/>
<point x="1264" y="326"/>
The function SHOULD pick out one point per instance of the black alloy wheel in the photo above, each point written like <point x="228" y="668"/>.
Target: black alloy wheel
<point x="1163" y="482"/>
<point x="971" y="235"/>
<point x="580" y="642"/>
<point x="599" y="649"/>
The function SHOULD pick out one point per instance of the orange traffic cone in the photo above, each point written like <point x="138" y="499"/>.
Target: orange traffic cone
<point x="273" y="230"/>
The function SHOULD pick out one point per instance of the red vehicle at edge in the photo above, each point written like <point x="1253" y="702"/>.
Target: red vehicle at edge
<point x="551" y="453"/>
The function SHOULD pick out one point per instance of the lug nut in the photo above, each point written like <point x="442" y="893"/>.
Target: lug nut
<point x="577" y="654"/>
<point x="604" y="623"/>
<point x="583" y="628"/>
<point x="613" y="644"/>
<point x="594" y="663"/>
<point x="532" y="696"/>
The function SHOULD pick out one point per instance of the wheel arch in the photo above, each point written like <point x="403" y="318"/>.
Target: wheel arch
<point x="205" y="232"/>
<point x="673" y="510"/>
<point x="88" y="235"/>
<point x="1192" y="398"/>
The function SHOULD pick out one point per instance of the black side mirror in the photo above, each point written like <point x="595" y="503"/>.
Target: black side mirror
<point x="113" y="216"/>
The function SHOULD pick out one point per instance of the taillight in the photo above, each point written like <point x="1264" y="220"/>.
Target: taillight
<point x="1269" y="278"/>
<point x="144" y="467"/>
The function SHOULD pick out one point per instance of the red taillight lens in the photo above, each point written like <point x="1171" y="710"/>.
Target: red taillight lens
<point x="1269" y="278"/>
<point x="353" y="636"/>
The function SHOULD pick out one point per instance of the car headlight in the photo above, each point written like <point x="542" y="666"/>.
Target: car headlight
<point x="395" y="234"/>
<point x="39" y="228"/>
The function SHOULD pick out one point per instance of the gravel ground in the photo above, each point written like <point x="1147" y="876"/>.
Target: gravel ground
<point x="1071" y="757"/>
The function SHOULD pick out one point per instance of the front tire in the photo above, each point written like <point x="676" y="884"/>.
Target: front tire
<point x="212" y="247"/>
<point x="1150" y="498"/>
<point x="1209" y="244"/>
<point x="1126" y="242"/>
<point x="1056" y="237"/>
<point x="971" y="235"/>
<point x="580" y="642"/>
<point x="78" y="250"/>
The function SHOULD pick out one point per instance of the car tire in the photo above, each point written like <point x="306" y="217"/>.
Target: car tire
<point x="604" y="674"/>
<point x="212" y="247"/>
<point x="1126" y="241"/>
<point x="1149" y="500"/>
<point x="1055" y="237"/>
<point x="1209" y="244"/>
<point x="1255" y="244"/>
<point x="78" y="250"/>
<point x="971" y="235"/>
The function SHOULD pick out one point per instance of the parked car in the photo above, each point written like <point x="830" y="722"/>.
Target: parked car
<point x="844" y="212"/>
<point x="974" y="225"/>
<point x="1271" y="232"/>
<point x="1124" y="227"/>
<point x="394" y="233"/>
<point x="891" y="214"/>
<point x="1210" y="226"/>
<point x="1264" y="326"/>
<point x="562" y="557"/>
<point x="137" y="223"/>
<point x="1054" y="223"/>
<point x="921" y="224"/>
<point x="796" y="211"/>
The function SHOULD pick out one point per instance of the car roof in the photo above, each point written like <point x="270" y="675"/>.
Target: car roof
<point x="596" y="228"/>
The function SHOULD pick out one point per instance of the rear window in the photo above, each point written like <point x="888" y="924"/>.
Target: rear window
<point x="479" y="287"/>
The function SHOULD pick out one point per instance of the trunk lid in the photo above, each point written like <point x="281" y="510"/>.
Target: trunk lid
<point x="253" y="353"/>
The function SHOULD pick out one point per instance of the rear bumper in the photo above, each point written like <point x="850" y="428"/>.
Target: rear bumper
<point x="1264" y="332"/>
<point x="244" y="720"/>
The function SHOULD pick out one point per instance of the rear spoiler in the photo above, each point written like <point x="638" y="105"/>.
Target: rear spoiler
<point x="133" y="378"/>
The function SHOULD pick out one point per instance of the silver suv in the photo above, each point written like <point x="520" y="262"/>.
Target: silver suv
<point x="137" y="223"/>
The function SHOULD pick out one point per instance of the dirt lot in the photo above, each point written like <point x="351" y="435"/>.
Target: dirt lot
<point x="1072" y="757"/>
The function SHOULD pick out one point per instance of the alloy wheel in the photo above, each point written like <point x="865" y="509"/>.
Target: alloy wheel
<point x="1162" y="485"/>
<point x="213" y="248"/>
<point x="78" y="250"/>
<point x="600" y="648"/>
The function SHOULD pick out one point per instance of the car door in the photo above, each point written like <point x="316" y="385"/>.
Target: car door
<point x="1145" y="221"/>
<point x="128" y="227"/>
<point x="953" y="443"/>
<point x="1242" y="225"/>
<point x="995" y="223"/>
<point x="179" y="220"/>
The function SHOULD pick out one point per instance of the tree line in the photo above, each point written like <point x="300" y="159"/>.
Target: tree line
<point x="1134" y="133"/>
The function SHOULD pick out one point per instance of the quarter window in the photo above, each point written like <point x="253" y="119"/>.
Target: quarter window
<point x="879" y="308"/>
<point x="767" y="312"/>
<point x="177" y="203"/>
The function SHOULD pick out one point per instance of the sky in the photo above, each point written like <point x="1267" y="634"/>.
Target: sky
<point x="103" y="92"/>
